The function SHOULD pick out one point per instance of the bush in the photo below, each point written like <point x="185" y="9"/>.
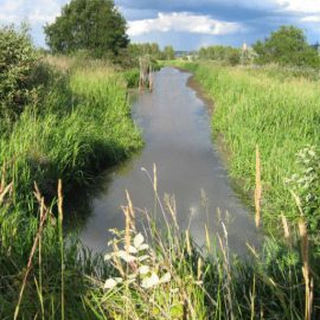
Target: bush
<point x="17" y="62"/>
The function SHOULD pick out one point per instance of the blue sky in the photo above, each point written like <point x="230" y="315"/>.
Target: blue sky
<point x="186" y="24"/>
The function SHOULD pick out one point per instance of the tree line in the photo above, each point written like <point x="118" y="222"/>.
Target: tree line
<point x="287" y="46"/>
<point x="98" y="29"/>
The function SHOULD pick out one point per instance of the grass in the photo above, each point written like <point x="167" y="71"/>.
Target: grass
<point x="83" y="125"/>
<point x="168" y="277"/>
<point x="278" y="114"/>
<point x="72" y="139"/>
<point x="80" y="126"/>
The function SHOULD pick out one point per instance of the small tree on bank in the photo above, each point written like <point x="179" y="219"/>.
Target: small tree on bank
<point x="92" y="25"/>
<point x="168" y="53"/>
<point x="287" y="46"/>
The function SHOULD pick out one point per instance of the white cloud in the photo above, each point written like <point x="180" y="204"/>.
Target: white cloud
<point x="182" y="22"/>
<point x="311" y="19"/>
<point x="300" y="6"/>
<point x="36" y="11"/>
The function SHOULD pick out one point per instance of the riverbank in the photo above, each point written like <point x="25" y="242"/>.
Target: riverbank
<point x="80" y="125"/>
<point x="254" y="108"/>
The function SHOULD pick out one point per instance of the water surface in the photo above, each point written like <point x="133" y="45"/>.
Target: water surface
<point x="176" y="128"/>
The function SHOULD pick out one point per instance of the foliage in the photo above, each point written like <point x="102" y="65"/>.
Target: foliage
<point x="168" y="53"/>
<point x="287" y="46"/>
<point x="305" y="183"/>
<point x="221" y="53"/>
<point x="132" y="77"/>
<point x="141" y="49"/>
<point x="92" y="25"/>
<point x="17" y="62"/>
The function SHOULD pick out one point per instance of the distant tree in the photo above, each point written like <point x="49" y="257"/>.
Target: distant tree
<point x="141" y="49"/>
<point x="287" y="46"/>
<point x="226" y="54"/>
<point x="168" y="53"/>
<point x="93" y="25"/>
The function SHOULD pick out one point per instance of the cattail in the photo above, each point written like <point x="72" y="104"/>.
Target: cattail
<point x="258" y="189"/>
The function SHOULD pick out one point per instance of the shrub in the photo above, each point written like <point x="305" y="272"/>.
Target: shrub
<point x="17" y="61"/>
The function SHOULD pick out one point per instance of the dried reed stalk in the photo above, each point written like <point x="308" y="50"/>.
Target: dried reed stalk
<point x="258" y="189"/>
<point x="306" y="269"/>
<point x="188" y="243"/>
<point x="43" y="214"/>
<point x="131" y="211"/>
<point x="285" y="227"/>
<point x="60" y="219"/>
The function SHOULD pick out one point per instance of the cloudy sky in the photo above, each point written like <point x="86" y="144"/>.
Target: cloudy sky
<point x="187" y="24"/>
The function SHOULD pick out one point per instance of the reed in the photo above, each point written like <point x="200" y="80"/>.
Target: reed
<point x="258" y="189"/>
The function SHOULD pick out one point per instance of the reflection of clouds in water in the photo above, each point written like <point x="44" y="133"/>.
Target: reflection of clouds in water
<point x="187" y="165"/>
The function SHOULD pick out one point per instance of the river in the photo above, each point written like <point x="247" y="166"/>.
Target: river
<point x="176" y="129"/>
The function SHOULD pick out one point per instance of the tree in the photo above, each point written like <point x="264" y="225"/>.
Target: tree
<point x="168" y="53"/>
<point x="287" y="46"/>
<point x="92" y="25"/>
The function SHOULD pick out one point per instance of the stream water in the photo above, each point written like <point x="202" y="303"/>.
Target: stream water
<point x="176" y="128"/>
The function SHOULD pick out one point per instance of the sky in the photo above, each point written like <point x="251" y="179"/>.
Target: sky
<point x="186" y="24"/>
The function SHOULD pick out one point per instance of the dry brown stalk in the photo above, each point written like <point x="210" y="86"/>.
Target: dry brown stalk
<point x="285" y="227"/>
<point x="188" y="243"/>
<point x="4" y="191"/>
<point x="306" y="269"/>
<point x="43" y="214"/>
<point x="127" y="230"/>
<point x="199" y="269"/>
<point x="208" y="240"/>
<point x="131" y="211"/>
<point x="258" y="189"/>
<point x="155" y="178"/>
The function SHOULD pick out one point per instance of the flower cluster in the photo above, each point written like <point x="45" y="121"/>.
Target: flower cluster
<point x="136" y="264"/>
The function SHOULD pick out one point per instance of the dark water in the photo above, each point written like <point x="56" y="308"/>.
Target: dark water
<point x="176" y="127"/>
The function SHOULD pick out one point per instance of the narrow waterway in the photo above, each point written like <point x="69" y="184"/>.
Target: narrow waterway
<point x="176" y="128"/>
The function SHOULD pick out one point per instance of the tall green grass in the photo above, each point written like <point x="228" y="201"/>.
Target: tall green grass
<point x="168" y="277"/>
<point x="72" y="140"/>
<point x="81" y="125"/>
<point x="279" y="115"/>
